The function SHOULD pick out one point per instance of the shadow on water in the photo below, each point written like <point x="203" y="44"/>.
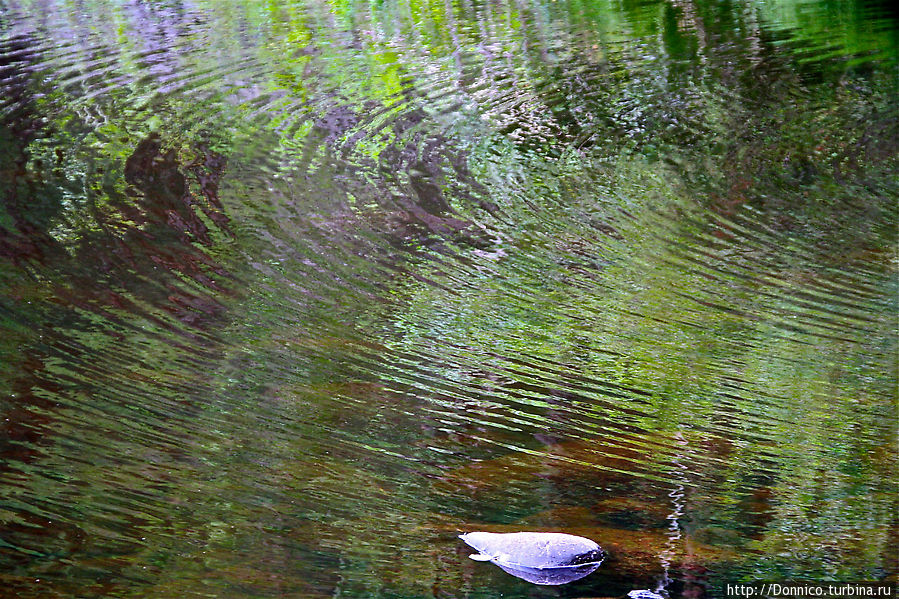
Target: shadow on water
<point x="294" y="294"/>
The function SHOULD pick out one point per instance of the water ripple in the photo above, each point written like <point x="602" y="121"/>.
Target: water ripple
<point x="296" y="292"/>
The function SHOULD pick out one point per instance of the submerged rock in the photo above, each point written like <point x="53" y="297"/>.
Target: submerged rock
<point x="538" y="557"/>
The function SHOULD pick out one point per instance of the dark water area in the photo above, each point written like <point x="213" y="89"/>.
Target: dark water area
<point x="293" y="293"/>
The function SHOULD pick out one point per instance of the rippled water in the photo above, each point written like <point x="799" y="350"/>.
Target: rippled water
<point x="295" y="292"/>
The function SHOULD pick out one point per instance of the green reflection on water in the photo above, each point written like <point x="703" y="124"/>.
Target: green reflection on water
<point x="312" y="287"/>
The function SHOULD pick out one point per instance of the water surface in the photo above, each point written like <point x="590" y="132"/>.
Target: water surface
<point x="293" y="293"/>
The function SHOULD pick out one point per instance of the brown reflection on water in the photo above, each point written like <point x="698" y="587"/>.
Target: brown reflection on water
<point x="87" y="297"/>
<point x="591" y="491"/>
